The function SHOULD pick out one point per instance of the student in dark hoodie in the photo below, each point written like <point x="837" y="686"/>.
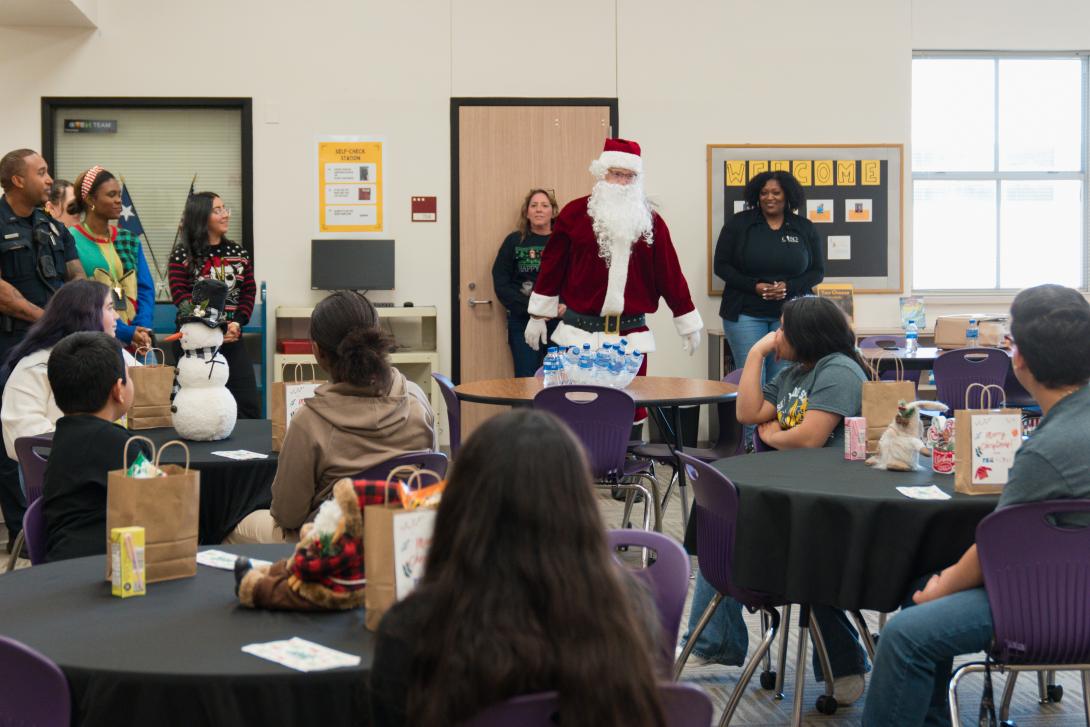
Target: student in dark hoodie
<point x="368" y="413"/>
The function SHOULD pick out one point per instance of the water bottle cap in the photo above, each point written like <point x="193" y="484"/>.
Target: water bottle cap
<point x="972" y="321"/>
<point x="552" y="349"/>
<point x="586" y="346"/>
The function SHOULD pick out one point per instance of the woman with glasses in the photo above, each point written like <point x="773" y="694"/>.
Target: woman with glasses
<point x="204" y="251"/>
<point x="111" y="255"/>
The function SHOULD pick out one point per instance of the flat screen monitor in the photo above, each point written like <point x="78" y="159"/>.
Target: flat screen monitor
<point x="352" y="264"/>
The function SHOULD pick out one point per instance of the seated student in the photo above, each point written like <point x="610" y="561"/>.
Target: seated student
<point x="520" y="594"/>
<point x="1050" y="335"/>
<point x="368" y="413"/>
<point x="803" y="406"/>
<point x="91" y="385"/>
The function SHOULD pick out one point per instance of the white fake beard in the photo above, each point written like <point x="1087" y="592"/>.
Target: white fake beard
<point x="621" y="216"/>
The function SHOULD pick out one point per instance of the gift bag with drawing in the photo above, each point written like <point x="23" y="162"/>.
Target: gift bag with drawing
<point x="880" y="400"/>
<point x="151" y="384"/>
<point x="287" y="397"/>
<point x="165" y="501"/>
<point x="985" y="441"/>
<point x="396" y="539"/>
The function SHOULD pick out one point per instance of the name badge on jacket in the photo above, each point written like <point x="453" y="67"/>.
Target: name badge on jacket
<point x="791" y="238"/>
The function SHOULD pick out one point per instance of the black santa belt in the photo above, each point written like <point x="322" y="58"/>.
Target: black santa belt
<point x="604" y="324"/>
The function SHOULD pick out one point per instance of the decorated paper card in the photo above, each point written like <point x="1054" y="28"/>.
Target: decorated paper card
<point x="412" y="538"/>
<point x="996" y="437"/>
<point x="295" y="395"/>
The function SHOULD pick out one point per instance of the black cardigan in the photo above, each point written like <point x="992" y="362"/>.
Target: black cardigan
<point x="728" y="260"/>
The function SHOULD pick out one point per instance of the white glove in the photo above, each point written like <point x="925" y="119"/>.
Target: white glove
<point x="691" y="341"/>
<point x="536" y="335"/>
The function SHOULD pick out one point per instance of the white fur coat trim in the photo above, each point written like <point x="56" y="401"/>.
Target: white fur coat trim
<point x="565" y="335"/>
<point x="688" y="322"/>
<point x="618" y="278"/>
<point x="543" y="305"/>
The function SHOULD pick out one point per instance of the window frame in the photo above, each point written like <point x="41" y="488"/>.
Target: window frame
<point x="999" y="177"/>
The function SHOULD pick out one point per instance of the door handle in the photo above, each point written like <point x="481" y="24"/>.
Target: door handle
<point x="474" y="302"/>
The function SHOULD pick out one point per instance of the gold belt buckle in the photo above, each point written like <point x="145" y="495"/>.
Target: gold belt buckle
<point x="612" y="324"/>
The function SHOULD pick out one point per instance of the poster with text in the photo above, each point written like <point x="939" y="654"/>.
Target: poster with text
<point x="412" y="539"/>
<point x="349" y="184"/>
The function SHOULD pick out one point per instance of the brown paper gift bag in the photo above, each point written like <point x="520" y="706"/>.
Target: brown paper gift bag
<point x="980" y="468"/>
<point x="381" y="557"/>
<point x="880" y="402"/>
<point x="285" y="399"/>
<point x="151" y="385"/>
<point x="168" y="508"/>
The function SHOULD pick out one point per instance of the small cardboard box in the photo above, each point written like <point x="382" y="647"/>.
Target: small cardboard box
<point x="127" y="552"/>
<point x="950" y="330"/>
<point x="855" y="438"/>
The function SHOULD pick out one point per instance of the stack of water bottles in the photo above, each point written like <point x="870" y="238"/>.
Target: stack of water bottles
<point x="609" y="366"/>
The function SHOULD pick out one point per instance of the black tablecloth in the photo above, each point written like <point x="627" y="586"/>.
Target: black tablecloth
<point x="814" y="528"/>
<point x="230" y="489"/>
<point x="173" y="657"/>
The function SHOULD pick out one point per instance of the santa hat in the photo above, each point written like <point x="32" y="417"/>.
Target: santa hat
<point x="618" y="154"/>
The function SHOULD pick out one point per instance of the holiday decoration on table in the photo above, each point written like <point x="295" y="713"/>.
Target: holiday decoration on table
<point x="902" y="444"/>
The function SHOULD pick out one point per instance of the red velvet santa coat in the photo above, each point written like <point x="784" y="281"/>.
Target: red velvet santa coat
<point x="572" y="269"/>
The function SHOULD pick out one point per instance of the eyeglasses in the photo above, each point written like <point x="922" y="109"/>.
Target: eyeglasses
<point x="222" y="211"/>
<point x="621" y="174"/>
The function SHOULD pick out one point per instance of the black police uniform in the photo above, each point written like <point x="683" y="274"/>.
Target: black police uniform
<point x="34" y="252"/>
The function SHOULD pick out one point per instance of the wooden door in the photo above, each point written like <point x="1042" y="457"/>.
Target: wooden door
<point x="503" y="152"/>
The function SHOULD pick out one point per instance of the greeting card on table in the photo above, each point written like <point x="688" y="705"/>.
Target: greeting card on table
<point x="302" y="655"/>
<point x="412" y="539"/>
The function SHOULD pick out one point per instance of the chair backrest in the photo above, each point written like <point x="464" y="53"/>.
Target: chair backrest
<point x="730" y="431"/>
<point x="454" y="411"/>
<point x="667" y="576"/>
<point x="1037" y="575"/>
<point x="435" y="461"/>
<point x="716" y="499"/>
<point x="32" y="463"/>
<point x="34" y="531"/>
<point x="956" y="370"/>
<point x="877" y="341"/>
<point x="685" y="705"/>
<point x="33" y="690"/>
<point x="601" y="418"/>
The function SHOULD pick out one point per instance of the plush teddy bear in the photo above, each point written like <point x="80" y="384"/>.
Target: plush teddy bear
<point x="325" y="573"/>
<point x="902" y="443"/>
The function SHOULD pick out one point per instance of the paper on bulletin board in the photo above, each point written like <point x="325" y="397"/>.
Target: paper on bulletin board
<point x="996" y="437"/>
<point x="349" y="184"/>
<point x="412" y="539"/>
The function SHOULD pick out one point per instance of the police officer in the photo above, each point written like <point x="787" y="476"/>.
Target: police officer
<point x="37" y="256"/>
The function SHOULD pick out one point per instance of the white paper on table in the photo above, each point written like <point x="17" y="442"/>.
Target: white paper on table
<point x="302" y="655"/>
<point x="240" y="454"/>
<point x="223" y="560"/>
<point x="294" y="396"/>
<point x="996" y="437"/>
<point x="412" y="538"/>
<point x="928" y="492"/>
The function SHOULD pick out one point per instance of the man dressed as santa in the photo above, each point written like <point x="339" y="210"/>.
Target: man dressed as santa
<point x="610" y="258"/>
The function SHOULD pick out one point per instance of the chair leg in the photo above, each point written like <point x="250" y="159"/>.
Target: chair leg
<point x="683" y="489"/>
<point x="669" y="491"/>
<point x="864" y="633"/>
<point x="1086" y="696"/>
<point x="1042" y="687"/>
<point x="800" y="665"/>
<point x="709" y="611"/>
<point x="626" y="517"/>
<point x="952" y="689"/>
<point x="16" y="549"/>
<point x="653" y="499"/>
<point x="782" y="670"/>
<point x="823" y="655"/>
<point x="882" y="621"/>
<point x="771" y="618"/>
<point x="768" y="652"/>
<point x="1008" y="693"/>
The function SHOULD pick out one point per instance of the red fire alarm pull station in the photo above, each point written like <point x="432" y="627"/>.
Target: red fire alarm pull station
<point x="424" y="209"/>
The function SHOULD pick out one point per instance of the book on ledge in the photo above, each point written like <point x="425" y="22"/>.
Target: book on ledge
<point x="840" y="293"/>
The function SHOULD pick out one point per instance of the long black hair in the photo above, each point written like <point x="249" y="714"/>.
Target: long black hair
<point x="793" y="195"/>
<point x="345" y="326"/>
<point x="76" y="306"/>
<point x="194" y="237"/>
<point x="815" y="327"/>
<point x="524" y="592"/>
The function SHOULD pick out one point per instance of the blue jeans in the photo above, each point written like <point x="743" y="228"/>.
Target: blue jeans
<point x="725" y="640"/>
<point x="915" y="654"/>
<point x="527" y="361"/>
<point x="744" y="333"/>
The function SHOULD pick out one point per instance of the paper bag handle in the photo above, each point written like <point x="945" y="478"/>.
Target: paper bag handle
<point x="898" y="368"/>
<point x="161" y="361"/>
<point x="297" y="370"/>
<point x="178" y="442"/>
<point x="414" y="476"/>
<point x="133" y="438"/>
<point x="985" y="393"/>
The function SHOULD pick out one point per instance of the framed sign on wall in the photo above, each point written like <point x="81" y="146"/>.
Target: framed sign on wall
<point x="854" y="196"/>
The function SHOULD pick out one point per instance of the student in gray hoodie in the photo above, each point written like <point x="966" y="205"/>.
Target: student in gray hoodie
<point x="368" y="413"/>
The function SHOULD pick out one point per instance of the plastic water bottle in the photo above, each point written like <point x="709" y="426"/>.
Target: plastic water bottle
<point x="972" y="334"/>
<point x="617" y="369"/>
<point x="552" y="368"/>
<point x="585" y="372"/>
<point x="912" y="338"/>
<point x="633" y="362"/>
<point x="571" y="360"/>
<point x="602" y="359"/>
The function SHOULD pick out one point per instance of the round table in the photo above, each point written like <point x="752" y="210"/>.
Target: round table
<point x="173" y="657"/>
<point x="814" y="528"/>
<point x="230" y="489"/>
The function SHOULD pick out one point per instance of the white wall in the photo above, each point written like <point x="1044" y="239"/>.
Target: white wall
<point x="686" y="74"/>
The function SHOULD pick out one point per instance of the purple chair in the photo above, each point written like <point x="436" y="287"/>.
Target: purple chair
<point x="1017" y="396"/>
<point x="454" y="411"/>
<point x="601" y="418"/>
<point x="34" y="531"/>
<point x="685" y="705"/>
<point x="956" y="370"/>
<point x="1037" y="575"/>
<point x="717" y="515"/>
<point x="667" y="575"/>
<point x="32" y="466"/>
<point x="435" y="461"/>
<point x="899" y="342"/>
<point x="33" y="690"/>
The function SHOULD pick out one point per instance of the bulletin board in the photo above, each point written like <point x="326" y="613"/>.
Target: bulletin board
<point x="854" y="197"/>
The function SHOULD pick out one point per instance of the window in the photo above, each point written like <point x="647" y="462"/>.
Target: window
<point x="999" y="171"/>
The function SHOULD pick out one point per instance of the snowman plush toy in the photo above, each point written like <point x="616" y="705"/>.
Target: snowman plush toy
<point x="204" y="410"/>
